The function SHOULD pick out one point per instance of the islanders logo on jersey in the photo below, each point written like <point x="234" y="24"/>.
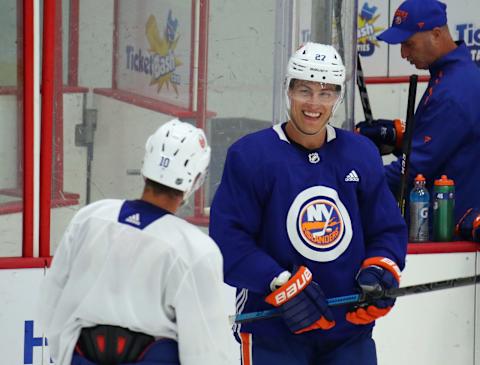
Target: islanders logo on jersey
<point x="318" y="224"/>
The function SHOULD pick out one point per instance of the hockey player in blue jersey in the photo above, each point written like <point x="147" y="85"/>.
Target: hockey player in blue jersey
<point x="447" y="119"/>
<point x="303" y="213"/>
<point x="133" y="283"/>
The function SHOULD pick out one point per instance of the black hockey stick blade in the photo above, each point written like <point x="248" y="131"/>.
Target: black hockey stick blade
<point x="362" y="88"/>
<point x="433" y="286"/>
<point x="359" y="299"/>
<point x="407" y="143"/>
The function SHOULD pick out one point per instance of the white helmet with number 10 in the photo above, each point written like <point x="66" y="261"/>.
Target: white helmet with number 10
<point x="316" y="62"/>
<point x="177" y="155"/>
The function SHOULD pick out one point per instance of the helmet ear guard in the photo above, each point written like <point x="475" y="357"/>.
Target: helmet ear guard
<point x="319" y="63"/>
<point x="177" y="155"/>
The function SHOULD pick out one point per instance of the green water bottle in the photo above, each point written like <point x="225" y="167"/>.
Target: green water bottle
<point x="443" y="209"/>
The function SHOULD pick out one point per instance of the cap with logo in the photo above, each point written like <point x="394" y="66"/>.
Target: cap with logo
<point x="414" y="16"/>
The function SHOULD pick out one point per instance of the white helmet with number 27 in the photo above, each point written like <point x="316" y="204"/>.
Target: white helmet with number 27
<point x="316" y="62"/>
<point x="177" y="155"/>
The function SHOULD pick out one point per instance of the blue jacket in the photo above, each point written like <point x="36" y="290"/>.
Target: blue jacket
<point x="446" y="138"/>
<point x="280" y="205"/>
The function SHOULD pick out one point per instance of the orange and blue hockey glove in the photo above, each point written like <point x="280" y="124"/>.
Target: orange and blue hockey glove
<point x="301" y="301"/>
<point x="385" y="133"/>
<point x="376" y="275"/>
<point x="468" y="227"/>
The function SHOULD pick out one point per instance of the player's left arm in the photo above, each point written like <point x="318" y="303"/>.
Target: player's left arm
<point x="377" y="275"/>
<point x="384" y="229"/>
<point x="204" y="334"/>
<point x="385" y="237"/>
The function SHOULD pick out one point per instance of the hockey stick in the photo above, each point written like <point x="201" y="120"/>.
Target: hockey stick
<point x="362" y="88"/>
<point x="358" y="298"/>
<point x="407" y="143"/>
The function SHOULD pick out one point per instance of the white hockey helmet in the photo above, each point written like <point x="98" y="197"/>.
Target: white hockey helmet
<point x="316" y="62"/>
<point x="177" y="155"/>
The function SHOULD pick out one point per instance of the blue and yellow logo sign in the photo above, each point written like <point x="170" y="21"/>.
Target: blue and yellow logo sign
<point x="160" y="61"/>
<point x="164" y="49"/>
<point x="318" y="224"/>
<point x="470" y="34"/>
<point x="367" y="31"/>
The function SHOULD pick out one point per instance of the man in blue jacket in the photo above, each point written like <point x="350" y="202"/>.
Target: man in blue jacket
<point x="303" y="213"/>
<point x="447" y="120"/>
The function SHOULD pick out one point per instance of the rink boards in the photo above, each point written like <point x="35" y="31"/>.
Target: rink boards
<point x="434" y="328"/>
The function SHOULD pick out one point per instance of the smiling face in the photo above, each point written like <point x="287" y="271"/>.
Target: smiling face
<point x="311" y="105"/>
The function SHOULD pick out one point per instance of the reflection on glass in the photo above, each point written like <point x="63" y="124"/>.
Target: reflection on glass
<point x="10" y="130"/>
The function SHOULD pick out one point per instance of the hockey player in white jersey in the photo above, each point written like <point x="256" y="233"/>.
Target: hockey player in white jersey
<point x="131" y="282"/>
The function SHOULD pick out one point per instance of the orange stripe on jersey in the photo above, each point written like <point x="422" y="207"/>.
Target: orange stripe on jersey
<point x="246" y="339"/>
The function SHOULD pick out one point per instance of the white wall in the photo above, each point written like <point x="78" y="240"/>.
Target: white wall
<point x="122" y="130"/>
<point x="240" y="63"/>
<point x="95" y="43"/>
<point x="435" y="328"/>
<point x="8" y="141"/>
<point x="74" y="159"/>
<point x="8" y="44"/>
<point x="20" y="335"/>
<point x="477" y="314"/>
<point x="11" y="235"/>
<point x="388" y="101"/>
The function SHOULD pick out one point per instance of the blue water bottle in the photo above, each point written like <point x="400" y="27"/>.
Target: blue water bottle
<point x="419" y="204"/>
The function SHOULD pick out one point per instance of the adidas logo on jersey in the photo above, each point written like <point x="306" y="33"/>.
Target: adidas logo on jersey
<point x="134" y="219"/>
<point x="352" y="176"/>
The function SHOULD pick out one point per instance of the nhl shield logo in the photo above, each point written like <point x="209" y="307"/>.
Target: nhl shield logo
<point x="313" y="157"/>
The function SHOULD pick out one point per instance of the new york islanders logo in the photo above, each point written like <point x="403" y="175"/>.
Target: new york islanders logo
<point x="318" y="224"/>
<point x="400" y="16"/>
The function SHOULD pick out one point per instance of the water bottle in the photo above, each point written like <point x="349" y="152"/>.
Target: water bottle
<point x="443" y="209"/>
<point x="419" y="204"/>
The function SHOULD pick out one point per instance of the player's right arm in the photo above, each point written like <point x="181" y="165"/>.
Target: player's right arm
<point x="236" y="219"/>
<point x="235" y="222"/>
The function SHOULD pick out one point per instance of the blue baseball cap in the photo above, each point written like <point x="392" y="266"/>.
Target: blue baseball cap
<point x="414" y="16"/>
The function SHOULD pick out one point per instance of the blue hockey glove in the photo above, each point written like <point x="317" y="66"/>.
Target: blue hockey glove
<point x="302" y="303"/>
<point x="386" y="134"/>
<point x="468" y="227"/>
<point x="376" y="276"/>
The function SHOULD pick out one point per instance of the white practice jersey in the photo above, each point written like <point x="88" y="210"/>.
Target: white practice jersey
<point x="131" y="264"/>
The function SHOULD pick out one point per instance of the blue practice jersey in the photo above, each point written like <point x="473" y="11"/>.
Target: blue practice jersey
<point x="446" y="138"/>
<point x="280" y="205"/>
